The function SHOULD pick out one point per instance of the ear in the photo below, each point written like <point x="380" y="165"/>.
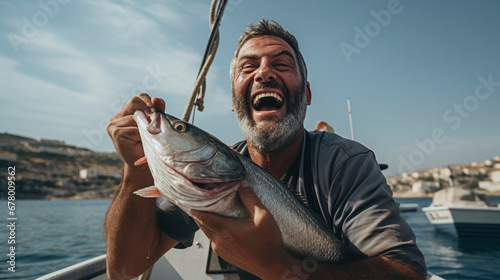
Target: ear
<point x="308" y="93"/>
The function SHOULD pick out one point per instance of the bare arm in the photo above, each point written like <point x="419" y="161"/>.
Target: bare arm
<point x="255" y="245"/>
<point x="134" y="240"/>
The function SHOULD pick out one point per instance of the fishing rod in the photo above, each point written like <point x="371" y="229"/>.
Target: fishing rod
<point x="198" y="93"/>
<point x="213" y="33"/>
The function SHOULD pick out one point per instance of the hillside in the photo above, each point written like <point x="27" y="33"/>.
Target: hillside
<point x="482" y="176"/>
<point x="50" y="169"/>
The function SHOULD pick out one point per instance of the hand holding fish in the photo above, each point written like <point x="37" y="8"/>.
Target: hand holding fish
<point x="131" y="227"/>
<point x="123" y="129"/>
<point x="254" y="244"/>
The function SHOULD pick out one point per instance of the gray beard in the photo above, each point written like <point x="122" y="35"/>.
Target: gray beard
<point x="281" y="134"/>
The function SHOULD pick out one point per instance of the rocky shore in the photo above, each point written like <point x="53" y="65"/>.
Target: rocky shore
<point x="50" y="169"/>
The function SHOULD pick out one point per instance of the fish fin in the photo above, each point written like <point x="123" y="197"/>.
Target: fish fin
<point x="140" y="161"/>
<point x="151" y="191"/>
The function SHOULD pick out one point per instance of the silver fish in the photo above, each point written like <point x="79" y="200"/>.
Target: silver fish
<point x="194" y="170"/>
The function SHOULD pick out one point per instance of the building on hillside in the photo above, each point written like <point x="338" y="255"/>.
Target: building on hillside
<point x="489" y="185"/>
<point x="425" y="187"/>
<point x="50" y="150"/>
<point x="474" y="171"/>
<point x="493" y="184"/>
<point x="101" y="173"/>
<point x="50" y="142"/>
<point x="495" y="176"/>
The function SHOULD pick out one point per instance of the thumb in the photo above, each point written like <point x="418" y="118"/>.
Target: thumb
<point x="210" y="223"/>
<point x="158" y="103"/>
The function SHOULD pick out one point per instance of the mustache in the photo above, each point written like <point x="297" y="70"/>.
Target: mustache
<point x="270" y="84"/>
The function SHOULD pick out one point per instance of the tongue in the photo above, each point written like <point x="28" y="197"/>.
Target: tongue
<point x="267" y="107"/>
<point x="267" y="104"/>
<point x="154" y="126"/>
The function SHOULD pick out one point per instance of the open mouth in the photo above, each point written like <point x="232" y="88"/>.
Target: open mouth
<point x="209" y="187"/>
<point x="154" y="126"/>
<point x="212" y="186"/>
<point x="267" y="101"/>
<point x="151" y="123"/>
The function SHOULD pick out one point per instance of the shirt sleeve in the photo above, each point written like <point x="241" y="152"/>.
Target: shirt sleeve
<point x="367" y="215"/>
<point x="175" y="223"/>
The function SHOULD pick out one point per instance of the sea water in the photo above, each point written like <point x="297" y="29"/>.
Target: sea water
<point x="53" y="234"/>
<point x="50" y="235"/>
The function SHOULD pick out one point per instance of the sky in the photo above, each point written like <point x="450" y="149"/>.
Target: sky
<point x="423" y="77"/>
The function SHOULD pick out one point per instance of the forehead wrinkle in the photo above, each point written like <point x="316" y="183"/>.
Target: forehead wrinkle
<point x="250" y="57"/>
<point x="283" y="52"/>
<point x="273" y="55"/>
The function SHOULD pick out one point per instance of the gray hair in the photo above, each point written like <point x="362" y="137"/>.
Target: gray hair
<point x="264" y="27"/>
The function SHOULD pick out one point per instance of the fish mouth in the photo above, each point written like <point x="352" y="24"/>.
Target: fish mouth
<point x="207" y="187"/>
<point x="267" y="101"/>
<point x="214" y="188"/>
<point x="151" y="123"/>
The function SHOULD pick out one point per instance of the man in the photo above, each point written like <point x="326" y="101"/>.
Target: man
<point x="337" y="178"/>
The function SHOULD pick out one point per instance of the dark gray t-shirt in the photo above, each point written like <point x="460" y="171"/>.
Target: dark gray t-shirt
<point x="341" y="180"/>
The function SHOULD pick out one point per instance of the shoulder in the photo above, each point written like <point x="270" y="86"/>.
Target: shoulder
<point x="333" y="151"/>
<point x="332" y="141"/>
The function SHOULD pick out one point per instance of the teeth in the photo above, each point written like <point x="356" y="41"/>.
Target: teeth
<point x="266" y="94"/>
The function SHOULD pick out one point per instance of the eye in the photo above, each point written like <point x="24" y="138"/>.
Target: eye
<point x="247" y="68"/>
<point x="180" y="126"/>
<point x="282" y="65"/>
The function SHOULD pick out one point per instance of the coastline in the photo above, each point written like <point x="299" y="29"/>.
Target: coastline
<point x="424" y="195"/>
<point x="411" y="195"/>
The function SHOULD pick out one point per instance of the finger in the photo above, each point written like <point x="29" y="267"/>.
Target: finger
<point x="159" y="104"/>
<point x="211" y="224"/>
<point x="135" y="103"/>
<point x="125" y="126"/>
<point x="140" y="102"/>
<point x="145" y="98"/>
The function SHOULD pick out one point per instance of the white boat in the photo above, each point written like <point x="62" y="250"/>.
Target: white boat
<point x="197" y="262"/>
<point x="464" y="212"/>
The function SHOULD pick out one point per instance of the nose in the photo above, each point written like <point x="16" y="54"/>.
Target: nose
<point x="265" y="73"/>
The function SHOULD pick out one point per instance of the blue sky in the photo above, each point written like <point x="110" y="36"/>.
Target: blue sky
<point x="423" y="77"/>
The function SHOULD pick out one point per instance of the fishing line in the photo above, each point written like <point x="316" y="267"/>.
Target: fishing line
<point x="198" y="93"/>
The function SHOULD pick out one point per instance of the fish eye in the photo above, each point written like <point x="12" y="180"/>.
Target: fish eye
<point x="180" y="126"/>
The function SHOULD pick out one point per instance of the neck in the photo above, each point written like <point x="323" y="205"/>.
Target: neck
<point x="277" y="163"/>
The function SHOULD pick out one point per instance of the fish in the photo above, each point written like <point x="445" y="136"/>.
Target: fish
<point x="194" y="170"/>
